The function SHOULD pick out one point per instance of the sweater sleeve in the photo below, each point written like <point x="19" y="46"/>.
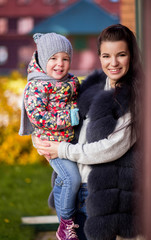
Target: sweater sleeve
<point x="36" y="100"/>
<point x="106" y="150"/>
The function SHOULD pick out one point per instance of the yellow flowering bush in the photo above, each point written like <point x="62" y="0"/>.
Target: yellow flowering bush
<point x="14" y="148"/>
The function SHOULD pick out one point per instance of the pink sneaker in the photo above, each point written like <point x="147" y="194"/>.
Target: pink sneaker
<point x="66" y="230"/>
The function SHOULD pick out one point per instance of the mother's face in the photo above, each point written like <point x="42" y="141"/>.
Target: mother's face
<point x="115" y="59"/>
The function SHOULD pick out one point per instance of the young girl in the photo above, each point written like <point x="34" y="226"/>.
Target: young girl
<point x="50" y="100"/>
<point x="106" y="153"/>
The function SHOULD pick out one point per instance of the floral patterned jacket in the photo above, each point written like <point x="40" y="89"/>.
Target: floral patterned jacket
<point x="48" y="103"/>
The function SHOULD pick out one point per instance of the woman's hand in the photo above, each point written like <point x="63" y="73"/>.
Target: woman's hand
<point x="49" y="149"/>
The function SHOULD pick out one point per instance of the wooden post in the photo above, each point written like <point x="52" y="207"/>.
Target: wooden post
<point x="147" y="119"/>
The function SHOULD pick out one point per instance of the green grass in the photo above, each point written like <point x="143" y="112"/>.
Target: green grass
<point x="24" y="191"/>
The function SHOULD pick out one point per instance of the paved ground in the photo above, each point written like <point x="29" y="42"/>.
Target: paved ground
<point x="52" y="236"/>
<point x="46" y="236"/>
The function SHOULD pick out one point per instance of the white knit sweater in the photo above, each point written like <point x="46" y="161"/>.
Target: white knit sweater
<point x="105" y="150"/>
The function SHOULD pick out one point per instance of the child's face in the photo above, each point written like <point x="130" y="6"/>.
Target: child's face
<point x="58" y="65"/>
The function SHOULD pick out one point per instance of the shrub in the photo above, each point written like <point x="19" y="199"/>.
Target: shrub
<point x="14" y="148"/>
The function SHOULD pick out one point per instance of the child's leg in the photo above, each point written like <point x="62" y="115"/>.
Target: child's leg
<point x="69" y="179"/>
<point x="57" y="193"/>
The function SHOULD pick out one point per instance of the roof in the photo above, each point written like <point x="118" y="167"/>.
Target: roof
<point x="83" y="17"/>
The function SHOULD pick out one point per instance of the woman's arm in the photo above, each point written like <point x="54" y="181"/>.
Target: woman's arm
<point x="106" y="150"/>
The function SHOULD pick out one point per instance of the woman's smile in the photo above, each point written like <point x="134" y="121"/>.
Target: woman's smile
<point x="114" y="71"/>
<point x="115" y="58"/>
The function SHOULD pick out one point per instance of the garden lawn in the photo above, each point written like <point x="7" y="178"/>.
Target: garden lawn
<point x="24" y="191"/>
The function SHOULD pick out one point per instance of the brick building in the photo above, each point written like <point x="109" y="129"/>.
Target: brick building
<point x="19" y="17"/>
<point x="127" y="13"/>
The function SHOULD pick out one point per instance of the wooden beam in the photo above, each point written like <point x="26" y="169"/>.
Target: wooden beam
<point x="41" y="223"/>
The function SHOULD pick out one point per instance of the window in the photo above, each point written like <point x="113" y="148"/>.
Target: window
<point x="2" y="2"/>
<point x="3" y="55"/>
<point x="23" y="1"/>
<point x="3" y="26"/>
<point x="25" y="25"/>
<point x="25" y="54"/>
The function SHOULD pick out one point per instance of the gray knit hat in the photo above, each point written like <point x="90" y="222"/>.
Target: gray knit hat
<point x="49" y="44"/>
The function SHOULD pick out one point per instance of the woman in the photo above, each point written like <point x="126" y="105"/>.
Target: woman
<point x="106" y="149"/>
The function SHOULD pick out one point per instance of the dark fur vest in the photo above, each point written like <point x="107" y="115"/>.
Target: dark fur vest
<point x="112" y="196"/>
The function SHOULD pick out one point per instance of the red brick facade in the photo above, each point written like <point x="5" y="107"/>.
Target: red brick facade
<point x="16" y="46"/>
<point x="127" y="14"/>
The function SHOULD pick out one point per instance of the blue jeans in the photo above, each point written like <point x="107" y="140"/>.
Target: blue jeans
<point x="81" y="213"/>
<point x="66" y="187"/>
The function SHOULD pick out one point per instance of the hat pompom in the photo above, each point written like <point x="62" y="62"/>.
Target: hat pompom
<point x="37" y="36"/>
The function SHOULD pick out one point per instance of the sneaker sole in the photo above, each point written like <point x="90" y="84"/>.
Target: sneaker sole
<point x="58" y="236"/>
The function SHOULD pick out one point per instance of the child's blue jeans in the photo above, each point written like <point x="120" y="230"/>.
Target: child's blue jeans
<point x="66" y="187"/>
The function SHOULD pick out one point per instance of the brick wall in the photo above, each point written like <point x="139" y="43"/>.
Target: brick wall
<point x="127" y="14"/>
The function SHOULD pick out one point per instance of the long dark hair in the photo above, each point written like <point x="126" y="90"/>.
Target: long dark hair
<point x="134" y="77"/>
